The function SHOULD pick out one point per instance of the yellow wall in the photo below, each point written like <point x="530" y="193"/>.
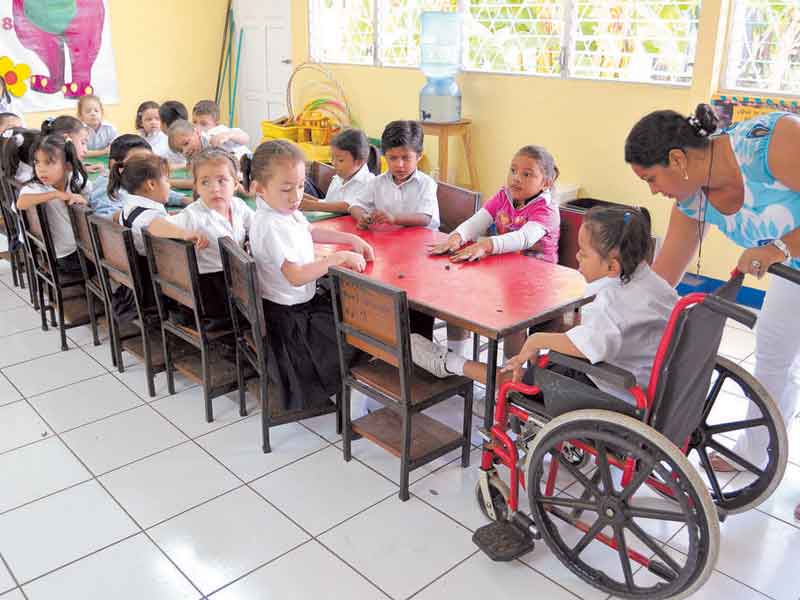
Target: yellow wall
<point x="164" y="50"/>
<point x="583" y="123"/>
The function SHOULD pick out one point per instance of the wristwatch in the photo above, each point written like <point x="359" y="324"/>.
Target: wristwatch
<point x="781" y="245"/>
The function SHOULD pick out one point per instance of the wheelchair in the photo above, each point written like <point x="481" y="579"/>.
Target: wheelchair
<point x="609" y="483"/>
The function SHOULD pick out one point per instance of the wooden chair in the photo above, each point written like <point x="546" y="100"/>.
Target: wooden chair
<point x="174" y="272"/>
<point x="321" y="174"/>
<point x="374" y="318"/>
<point x="65" y="291"/>
<point x="456" y="205"/>
<point x="249" y="326"/>
<point x="118" y="265"/>
<point x="17" y="252"/>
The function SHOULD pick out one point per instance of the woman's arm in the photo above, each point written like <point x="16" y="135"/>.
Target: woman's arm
<point x="784" y="148"/>
<point x="680" y="245"/>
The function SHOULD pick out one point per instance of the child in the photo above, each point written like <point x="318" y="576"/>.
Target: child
<point x="188" y="140"/>
<point x="304" y="361"/>
<point x="205" y="115"/>
<point x="70" y="127"/>
<point x="403" y="195"/>
<point x="9" y="121"/>
<point x="350" y="150"/>
<point x="90" y="111"/>
<point x="16" y="156"/>
<point x="146" y="176"/>
<point x="215" y="214"/>
<point x="169" y="112"/>
<point x="622" y="326"/>
<point x="148" y="125"/>
<point x="58" y="180"/>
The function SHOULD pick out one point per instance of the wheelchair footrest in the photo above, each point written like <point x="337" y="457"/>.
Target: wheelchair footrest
<point x="503" y="541"/>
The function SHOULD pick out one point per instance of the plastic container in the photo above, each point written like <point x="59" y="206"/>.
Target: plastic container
<point x="440" y="60"/>
<point x="272" y="130"/>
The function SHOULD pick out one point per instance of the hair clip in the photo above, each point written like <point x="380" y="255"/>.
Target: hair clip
<point x="7" y="134"/>
<point x="626" y="217"/>
<point x="698" y="128"/>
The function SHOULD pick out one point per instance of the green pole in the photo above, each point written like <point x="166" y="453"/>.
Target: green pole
<point x="236" y="75"/>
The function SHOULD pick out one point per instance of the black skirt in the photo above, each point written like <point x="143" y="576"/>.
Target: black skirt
<point x="303" y="357"/>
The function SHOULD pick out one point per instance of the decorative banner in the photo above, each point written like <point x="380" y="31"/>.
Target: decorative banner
<point x="55" y="51"/>
<point x="732" y="109"/>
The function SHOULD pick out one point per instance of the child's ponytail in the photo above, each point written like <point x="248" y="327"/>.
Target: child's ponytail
<point x="78" y="177"/>
<point x="17" y="143"/>
<point x="246" y="165"/>
<point x="115" y="179"/>
<point x="47" y="126"/>
<point x="621" y="231"/>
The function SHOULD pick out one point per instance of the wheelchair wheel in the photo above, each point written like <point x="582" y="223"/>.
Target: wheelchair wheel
<point x="498" y="490"/>
<point x="727" y="417"/>
<point x="602" y="548"/>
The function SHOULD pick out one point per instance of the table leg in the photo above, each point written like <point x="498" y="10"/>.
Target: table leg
<point x="491" y="370"/>
<point x="444" y="141"/>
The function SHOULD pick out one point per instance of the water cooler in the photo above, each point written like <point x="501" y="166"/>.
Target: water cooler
<point x="440" y="98"/>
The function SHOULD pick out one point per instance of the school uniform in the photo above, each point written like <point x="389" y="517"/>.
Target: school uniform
<point x="159" y="142"/>
<point x="417" y="194"/>
<point x="101" y="138"/>
<point x="340" y="190"/>
<point x="60" y="227"/>
<point x="104" y="205"/>
<point x="238" y="150"/>
<point x="303" y="356"/>
<point x="137" y="213"/>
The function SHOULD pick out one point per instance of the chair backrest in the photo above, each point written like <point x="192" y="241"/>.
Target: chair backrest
<point x="373" y="317"/>
<point x="78" y="216"/>
<point x="243" y="293"/>
<point x="321" y="174"/>
<point x="684" y="365"/>
<point x="173" y="270"/>
<point x="456" y="205"/>
<point x="40" y="242"/>
<point x="114" y="244"/>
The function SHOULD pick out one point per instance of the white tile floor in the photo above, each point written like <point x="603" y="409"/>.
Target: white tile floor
<point x="107" y="493"/>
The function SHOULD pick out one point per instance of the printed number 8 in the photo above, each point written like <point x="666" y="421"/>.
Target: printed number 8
<point x="8" y="24"/>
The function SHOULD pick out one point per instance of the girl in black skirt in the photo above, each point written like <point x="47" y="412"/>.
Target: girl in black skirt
<point x="303" y="359"/>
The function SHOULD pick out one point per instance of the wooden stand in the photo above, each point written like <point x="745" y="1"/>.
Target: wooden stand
<point x="444" y="131"/>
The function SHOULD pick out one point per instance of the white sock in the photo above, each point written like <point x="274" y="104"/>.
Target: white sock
<point x="454" y="363"/>
<point x="460" y="347"/>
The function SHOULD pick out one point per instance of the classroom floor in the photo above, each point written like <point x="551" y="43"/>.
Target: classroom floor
<point x="107" y="493"/>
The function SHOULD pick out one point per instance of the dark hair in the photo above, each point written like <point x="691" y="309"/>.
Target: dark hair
<point x="353" y="141"/>
<point x="620" y="230"/>
<point x="171" y="111"/>
<point x="402" y="133"/>
<point x="139" y="169"/>
<point x="140" y="112"/>
<point x="16" y="149"/>
<point x="654" y="136"/>
<point x="118" y="152"/>
<point x="62" y="125"/>
<point x="56" y="146"/>
<point x="543" y="158"/>
<point x="5" y="96"/>
<point x="206" y="107"/>
<point x="264" y="159"/>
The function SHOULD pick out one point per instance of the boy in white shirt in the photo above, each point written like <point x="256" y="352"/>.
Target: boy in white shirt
<point x="403" y="195"/>
<point x="189" y="140"/>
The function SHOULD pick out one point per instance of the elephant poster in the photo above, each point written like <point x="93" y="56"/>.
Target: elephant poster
<point x="54" y="51"/>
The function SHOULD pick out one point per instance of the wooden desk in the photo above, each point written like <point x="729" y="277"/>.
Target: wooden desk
<point x="494" y="297"/>
<point x="444" y="131"/>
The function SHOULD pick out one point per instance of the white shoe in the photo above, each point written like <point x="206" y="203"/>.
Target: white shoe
<point x="431" y="357"/>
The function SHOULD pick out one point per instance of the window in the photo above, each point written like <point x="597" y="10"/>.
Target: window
<point x="629" y="40"/>
<point x="764" y="47"/>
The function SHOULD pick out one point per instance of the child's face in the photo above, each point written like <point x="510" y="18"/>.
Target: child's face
<point x="344" y="164"/>
<point x="284" y="189"/>
<point x="215" y="183"/>
<point x="203" y="122"/>
<point x="80" y="140"/>
<point x="161" y="189"/>
<point x="188" y="143"/>
<point x="151" y="121"/>
<point x="91" y="113"/>
<point x="525" y="178"/>
<point x="49" y="169"/>
<point x="590" y="263"/>
<point x="10" y="123"/>
<point x="402" y="162"/>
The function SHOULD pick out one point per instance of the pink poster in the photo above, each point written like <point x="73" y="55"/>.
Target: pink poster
<point x="55" y="51"/>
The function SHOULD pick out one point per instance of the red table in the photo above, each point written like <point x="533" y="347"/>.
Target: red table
<point x="493" y="297"/>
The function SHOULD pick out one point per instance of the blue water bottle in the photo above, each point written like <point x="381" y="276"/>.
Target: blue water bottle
<point x="440" y="45"/>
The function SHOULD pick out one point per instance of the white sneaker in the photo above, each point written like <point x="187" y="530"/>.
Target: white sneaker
<point x="431" y="357"/>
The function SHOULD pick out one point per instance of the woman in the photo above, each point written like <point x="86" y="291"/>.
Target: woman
<point x="745" y="181"/>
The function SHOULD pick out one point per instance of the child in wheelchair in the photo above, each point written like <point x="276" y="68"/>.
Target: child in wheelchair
<point x="622" y="325"/>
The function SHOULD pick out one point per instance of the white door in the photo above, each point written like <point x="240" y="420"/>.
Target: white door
<point x="265" y="64"/>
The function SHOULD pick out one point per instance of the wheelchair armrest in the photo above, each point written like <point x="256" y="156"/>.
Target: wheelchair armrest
<point x="608" y="373"/>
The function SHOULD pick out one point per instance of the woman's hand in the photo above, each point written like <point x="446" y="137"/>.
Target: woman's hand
<point x="361" y="247"/>
<point x="474" y="251"/>
<point x="756" y="261"/>
<point x="350" y="260"/>
<point x="453" y="243"/>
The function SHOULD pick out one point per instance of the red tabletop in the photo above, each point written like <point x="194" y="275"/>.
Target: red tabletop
<point x="494" y="297"/>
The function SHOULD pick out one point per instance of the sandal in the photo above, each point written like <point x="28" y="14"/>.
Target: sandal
<point x="721" y="465"/>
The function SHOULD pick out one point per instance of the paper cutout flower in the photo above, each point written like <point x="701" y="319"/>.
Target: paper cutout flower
<point x="14" y="76"/>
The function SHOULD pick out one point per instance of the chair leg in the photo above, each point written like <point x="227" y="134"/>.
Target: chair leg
<point x="42" y="307"/>
<point x="207" y="385"/>
<point x="339" y="412"/>
<point x="14" y="269"/>
<point x="148" y="362"/>
<point x="242" y="387"/>
<point x="347" y="426"/>
<point x="476" y="347"/>
<point x="266" y="414"/>
<point x="19" y="257"/>
<point x="467" y="432"/>
<point x="62" y="328"/>
<point x="32" y="283"/>
<point x="168" y="362"/>
<point x="51" y="302"/>
<point x="405" y="454"/>
<point x="90" y="300"/>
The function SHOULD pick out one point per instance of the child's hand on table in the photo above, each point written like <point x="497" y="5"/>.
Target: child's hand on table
<point x="380" y="216"/>
<point x="363" y="220"/>
<point x="453" y="243"/>
<point x="473" y="252"/>
<point x="363" y="248"/>
<point x="351" y="260"/>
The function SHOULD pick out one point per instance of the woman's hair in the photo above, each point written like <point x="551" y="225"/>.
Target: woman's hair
<point x="57" y="148"/>
<point x="621" y="231"/>
<point x="354" y="142"/>
<point x="16" y="149"/>
<point x="654" y="136"/>
<point x="172" y="110"/>
<point x="144" y="106"/>
<point x="135" y="172"/>
<point x="399" y="134"/>
<point x="4" y="95"/>
<point x="62" y="125"/>
<point x="545" y="160"/>
<point x="89" y="98"/>
<point x="261" y="166"/>
<point x="118" y="152"/>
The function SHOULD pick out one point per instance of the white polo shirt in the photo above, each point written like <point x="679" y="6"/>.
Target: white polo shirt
<point x="58" y="218"/>
<point x="153" y="210"/>
<point x="274" y="239"/>
<point x="624" y="324"/>
<point x="199" y="217"/>
<point x="347" y="191"/>
<point x="417" y="194"/>
<point x="238" y="150"/>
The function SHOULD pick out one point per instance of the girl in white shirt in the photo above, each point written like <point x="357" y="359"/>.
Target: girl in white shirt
<point x="349" y="151"/>
<point x="304" y="360"/>
<point x="148" y="125"/>
<point x="58" y="181"/>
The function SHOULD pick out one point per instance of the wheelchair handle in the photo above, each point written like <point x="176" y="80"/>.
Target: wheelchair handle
<point x="731" y="310"/>
<point x="784" y="272"/>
